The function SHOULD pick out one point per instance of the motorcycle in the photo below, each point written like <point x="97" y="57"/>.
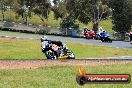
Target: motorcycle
<point x="90" y="34"/>
<point x="64" y="53"/>
<point x="104" y="37"/>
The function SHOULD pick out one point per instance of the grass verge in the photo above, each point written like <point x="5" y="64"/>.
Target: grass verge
<point x="11" y="48"/>
<point x="60" y="76"/>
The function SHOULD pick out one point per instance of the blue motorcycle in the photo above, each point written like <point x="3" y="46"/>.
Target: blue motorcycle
<point x="104" y="37"/>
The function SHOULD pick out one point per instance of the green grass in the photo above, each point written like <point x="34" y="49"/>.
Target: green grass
<point x="87" y="51"/>
<point x="31" y="49"/>
<point x="20" y="48"/>
<point x="60" y="76"/>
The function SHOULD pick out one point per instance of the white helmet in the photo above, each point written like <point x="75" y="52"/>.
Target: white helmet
<point x="43" y="38"/>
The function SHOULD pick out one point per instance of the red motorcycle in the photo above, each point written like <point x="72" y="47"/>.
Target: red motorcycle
<point x="90" y="34"/>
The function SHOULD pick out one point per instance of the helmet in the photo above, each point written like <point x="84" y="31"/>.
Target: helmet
<point x="43" y="38"/>
<point x="100" y="28"/>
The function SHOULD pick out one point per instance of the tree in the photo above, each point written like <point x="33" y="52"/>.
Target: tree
<point x="122" y="16"/>
<point x="83" y="10"/>
<point x="42" y="8"/>
<point x="25" y="8"/>
<point x="68" y="20"/>
<point x="59" y="9"/>
<point x="88" y="10"/>
<point x="22" y="8"/>
<point x="3" y="8"/>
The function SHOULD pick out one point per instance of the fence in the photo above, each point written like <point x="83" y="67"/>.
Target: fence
<point x="31" y="28"/>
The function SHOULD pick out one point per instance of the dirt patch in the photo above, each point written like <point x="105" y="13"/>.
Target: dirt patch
<point x="20" y="64"/>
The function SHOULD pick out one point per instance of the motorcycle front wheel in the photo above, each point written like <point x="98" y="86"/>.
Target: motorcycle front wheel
<point x="50" y="55"/>
<point x="70" y="55"/>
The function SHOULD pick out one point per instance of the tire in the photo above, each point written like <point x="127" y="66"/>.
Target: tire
<point x="70" y="55"/>
<point x="102" y="39"/>
<point x="87" y="37"/>
<point x="106" y="39"/>
<point x="50" y="55"/>
<point x="109" y="40"/>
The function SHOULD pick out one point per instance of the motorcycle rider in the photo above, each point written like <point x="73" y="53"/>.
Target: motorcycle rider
<point x="50" y="45"/>
<point x="85" y="31"/>
<point x="100" y="31"/>
<point x="130" y="35"/>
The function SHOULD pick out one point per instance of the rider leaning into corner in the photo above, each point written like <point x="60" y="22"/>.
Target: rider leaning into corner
<point x="45" y="45"/>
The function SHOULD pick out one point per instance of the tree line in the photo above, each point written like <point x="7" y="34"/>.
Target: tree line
<point x="120" y="11"/>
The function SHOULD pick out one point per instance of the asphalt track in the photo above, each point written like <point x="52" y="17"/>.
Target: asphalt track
<point x="116" y="44"/>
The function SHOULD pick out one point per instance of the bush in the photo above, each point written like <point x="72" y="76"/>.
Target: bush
<point x="118" y="36"/>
